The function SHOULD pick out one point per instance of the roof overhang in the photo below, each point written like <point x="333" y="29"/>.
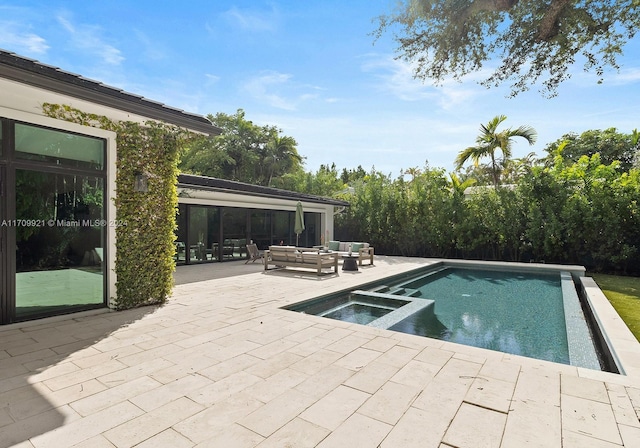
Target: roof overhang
<point x="190" y="181"/>
<point x="36" y="74"/>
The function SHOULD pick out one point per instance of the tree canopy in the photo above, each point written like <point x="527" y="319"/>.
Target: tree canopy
<point x="244" y="152"/>
<point x="534" y="39"/>
<point x="610" y="144"/>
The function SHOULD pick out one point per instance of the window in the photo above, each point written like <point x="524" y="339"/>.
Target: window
<point x="58" y="147"/>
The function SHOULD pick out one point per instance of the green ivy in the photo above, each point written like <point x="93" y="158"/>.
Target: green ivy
<point x="145" y="248"/>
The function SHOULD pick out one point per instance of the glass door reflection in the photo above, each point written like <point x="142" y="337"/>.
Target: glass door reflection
<point x="203" y="235"/>
<point x="59" y="244"/>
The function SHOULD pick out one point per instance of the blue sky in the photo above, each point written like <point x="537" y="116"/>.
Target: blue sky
<point x="311" y="68"/>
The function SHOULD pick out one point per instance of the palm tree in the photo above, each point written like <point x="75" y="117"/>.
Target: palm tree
<point x="515" y="169"/>
<point x="413" y="172"/>
<point x="458" y="186"/>
<point x="281" y="156"/>
<point x="490" y="140"/>
<point x="635" y="141"/>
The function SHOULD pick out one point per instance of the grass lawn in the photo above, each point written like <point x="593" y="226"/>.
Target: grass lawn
<point x="624" y="295"/>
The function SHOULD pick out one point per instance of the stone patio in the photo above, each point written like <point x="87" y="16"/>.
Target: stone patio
<point x="221" y="365"/>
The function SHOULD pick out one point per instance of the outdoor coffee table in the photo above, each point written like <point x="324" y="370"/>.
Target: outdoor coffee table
<point x="349" y="262"/>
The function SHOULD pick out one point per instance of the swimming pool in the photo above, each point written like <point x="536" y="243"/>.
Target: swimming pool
<point x="534" y="314"/>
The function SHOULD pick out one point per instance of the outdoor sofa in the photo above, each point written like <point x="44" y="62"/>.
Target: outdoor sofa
<point x="300" y="257"/>
<point x="363" y="250"/>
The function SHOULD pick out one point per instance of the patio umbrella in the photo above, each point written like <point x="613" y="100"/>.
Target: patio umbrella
<point x="299" y="224"/>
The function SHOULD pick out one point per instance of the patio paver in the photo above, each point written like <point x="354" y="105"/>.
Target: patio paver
<point x="221" y="364"/>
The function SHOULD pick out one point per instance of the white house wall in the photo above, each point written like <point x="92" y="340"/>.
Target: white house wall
<point x="23" y="102"/>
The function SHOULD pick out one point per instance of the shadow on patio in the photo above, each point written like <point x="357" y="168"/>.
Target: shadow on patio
<point x="62" y="358"/>
<point x="210" y="271"/>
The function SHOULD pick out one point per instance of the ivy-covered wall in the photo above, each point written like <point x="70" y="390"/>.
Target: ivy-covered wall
<point x="145" y="235"/>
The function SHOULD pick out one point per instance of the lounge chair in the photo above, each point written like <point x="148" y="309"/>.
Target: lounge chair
<point x="254" y="253"/>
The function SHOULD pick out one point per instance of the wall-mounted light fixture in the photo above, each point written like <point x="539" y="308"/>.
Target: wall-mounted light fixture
<point x="141" y="182"/>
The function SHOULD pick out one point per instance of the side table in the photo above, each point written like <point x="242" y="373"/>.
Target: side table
<point x="349" y="262"/>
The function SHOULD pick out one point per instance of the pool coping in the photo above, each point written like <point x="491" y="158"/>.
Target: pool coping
<point x="411" y="306"/>
<point x="623" y="345"/>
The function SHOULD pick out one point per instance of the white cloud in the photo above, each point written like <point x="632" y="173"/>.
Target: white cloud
<point x="87" y="38"/>
<point x="251" y="20"/>
<point x="397" y="78"/>
<point x="211" y="79"/>
<point x="262" y="88"/>
<point x="580" y="78"/>
<point x="453" y="94"/>
<point x="151" y="49"/>
<point x="280" y="91"/>
<point x="625" y="76"/>
<point x="24" y="41"/>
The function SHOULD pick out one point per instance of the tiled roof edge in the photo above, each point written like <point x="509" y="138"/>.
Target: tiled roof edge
<point x="37" y="74"/>
<point x="215" y="184"/>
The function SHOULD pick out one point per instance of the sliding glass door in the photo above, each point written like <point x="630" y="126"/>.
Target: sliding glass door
<point x="59" y="254"/>
<point x="209" y="233"/>
<point x="53" y="234"/>
<point x="204" y="234"/>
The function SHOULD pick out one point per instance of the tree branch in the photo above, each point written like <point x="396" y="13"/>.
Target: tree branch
<point x="491" y="5"/>
<point x="549" y="24"/>
<point x="488" y="5"/>
<point x="548" y="27"/>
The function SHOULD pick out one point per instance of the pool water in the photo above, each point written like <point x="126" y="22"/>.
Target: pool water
<point x="531" y="313"/>
<point x="515" y="313"/>
<point x="358" y="313"/>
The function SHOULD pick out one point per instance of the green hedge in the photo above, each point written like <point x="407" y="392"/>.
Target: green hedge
<point x="583" y="212"/>
<point x="145" y="249"/>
